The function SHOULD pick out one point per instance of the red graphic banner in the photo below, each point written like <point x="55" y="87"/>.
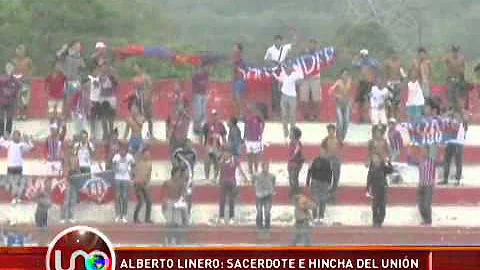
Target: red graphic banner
<point x="269" y="258"/>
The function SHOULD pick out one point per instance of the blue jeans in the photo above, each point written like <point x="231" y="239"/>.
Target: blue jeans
<point x="238" y="87"/>
<point x="121" y="197"/>
<point x="200" y="107"/>
<point x="69" y="200"/>
<point x="344" y="115"/>
<point x="135" y="144"/>
<point x="456" y="89"/>
<point x="264" y="208"/>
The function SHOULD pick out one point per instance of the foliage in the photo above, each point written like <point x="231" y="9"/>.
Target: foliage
<point x="214" y="25"/>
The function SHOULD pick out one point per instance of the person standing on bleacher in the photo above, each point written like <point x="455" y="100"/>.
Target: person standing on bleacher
<point x="16" y="148"/>
<point x="319" y="180"/>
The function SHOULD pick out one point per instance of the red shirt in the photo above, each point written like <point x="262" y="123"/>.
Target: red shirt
<point x="215" y="133"/>
<point x="228" y="171"/>
<point x="180" y="126"/>
<point x="200" y="82"/>
<point x="55" y="83"/>
<point x="292" y="156"/>
<point x="254" y="128"/>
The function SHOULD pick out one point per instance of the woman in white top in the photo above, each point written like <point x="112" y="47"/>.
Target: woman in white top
<point x="122" y="164"/>
<point x="415" y="100"/>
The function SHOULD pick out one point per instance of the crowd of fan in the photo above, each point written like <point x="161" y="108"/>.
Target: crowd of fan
<point x="92" y="100"/>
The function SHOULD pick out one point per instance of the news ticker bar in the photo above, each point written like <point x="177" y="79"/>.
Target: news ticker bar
<point x="265" y="258"/>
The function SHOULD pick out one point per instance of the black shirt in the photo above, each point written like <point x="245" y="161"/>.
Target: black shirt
<point x="320" y="171"/>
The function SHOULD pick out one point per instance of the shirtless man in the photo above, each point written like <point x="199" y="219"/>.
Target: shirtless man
<point x="142" y="83"/>
<point x="394" y="74"/>
<point x="134" y="123"/>
<point x="423" y="67"/>
<point x="378" y="145"/>
<point x="368" y="72"/>
<point x="455" y="63"/>
<point x="343" y="90"/>
<point x="23" y="69"/>
<point x="330" y="147"/>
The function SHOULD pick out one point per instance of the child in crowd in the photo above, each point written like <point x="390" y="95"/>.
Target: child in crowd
<point x="303" y="217"/>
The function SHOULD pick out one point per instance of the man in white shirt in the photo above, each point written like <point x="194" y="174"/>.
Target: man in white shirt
<point x="275" y="55"/>
<point x="122" y="164"/>
<point x="288" y="77"/>
<point x="16" y="149"/>
<point x="378" y="97"/>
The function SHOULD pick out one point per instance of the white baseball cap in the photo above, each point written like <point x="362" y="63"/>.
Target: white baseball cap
<point x="364" y="52"/>
<point x="100" y="45"/>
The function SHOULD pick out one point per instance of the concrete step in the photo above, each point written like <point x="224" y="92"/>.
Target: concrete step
<point x="128" y="235"/>
<point x="207" y="214"/>
<point x="312" y="133"/>
<point x="352" y="174"/>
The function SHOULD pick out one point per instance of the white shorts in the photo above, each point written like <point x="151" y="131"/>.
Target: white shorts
<point x="378" y="116"/>
<point x="254" y="147"/>
<point x="55" y="105"/>
<point x="54" y="168"/>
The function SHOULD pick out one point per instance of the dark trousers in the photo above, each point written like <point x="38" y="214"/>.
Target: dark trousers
<point x="16" y="182"/>
<point x="379" y="206"/>
<point x="41" y="218"/>
<point x="320" y="194"/>
<point x="302" y="233"/>
<point x="335" y="164"/>
<point x="276" y="95"/>
<point x="6" y="121"/>
<point x="264" y="208"/>
<point x="453" y="150"/>
<point x="227" y="194"/>
<point x="293" y="173"/>
<point x="424" y="201"/>
<point x="143" y="196"/>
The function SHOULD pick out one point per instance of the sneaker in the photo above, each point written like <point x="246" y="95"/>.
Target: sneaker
<point x="149" y="221"/>
<point x="72" y="220"/>
<point x="124" y="220"/>
<point x="117" y="219"/>
<point x="220" y="221"/>
<point x="14" y="201"/>
<point x="63" y="221"/>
